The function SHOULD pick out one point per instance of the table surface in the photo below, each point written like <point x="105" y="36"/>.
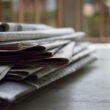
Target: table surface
<point x="87" y="89"/>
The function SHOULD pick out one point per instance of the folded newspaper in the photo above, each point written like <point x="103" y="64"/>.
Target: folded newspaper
<point x="34" y="55"/>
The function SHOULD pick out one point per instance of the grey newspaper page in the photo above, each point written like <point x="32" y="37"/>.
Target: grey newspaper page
<point x="39" y="34"/>
<point x="7" y="27"/>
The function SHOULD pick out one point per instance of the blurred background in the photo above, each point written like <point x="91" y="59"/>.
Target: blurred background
<point x="90" y="16"/>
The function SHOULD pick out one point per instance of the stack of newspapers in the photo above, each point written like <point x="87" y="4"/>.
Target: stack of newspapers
<point x="34" y="55"/>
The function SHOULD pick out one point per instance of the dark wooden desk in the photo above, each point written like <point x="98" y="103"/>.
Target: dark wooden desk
<point x="87" y="89"/>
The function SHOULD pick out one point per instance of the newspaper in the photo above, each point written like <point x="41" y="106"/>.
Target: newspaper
<point x="29" y="53"/>
<point x="19" y="74"/>
<point x="6" y="27"/>
<point x="80" y="47"/>
<point x="72" y="68"/>
<point x="4" y="70"/>
<point x="38" y="34"/>
<point x="62" y="57"/>
<point x="82" y="54"/>
<point x="15" y="47"/>
<point x="41" y="46"/>
<point x="54" y="44"/>
<point x="72" y="37"/>
<point x="33" y="57"/>
<point x="20" y="89"/>
<point x="22" y="73"/>
<point x="26" y="71"/>
<point x="24" y="57"/>
<point x="10" y="91"/>
<point x="60" y="73"/>
<point x="47" y="70"/>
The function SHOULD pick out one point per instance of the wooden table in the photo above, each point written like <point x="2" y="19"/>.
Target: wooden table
<point x="87" y="89"/>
